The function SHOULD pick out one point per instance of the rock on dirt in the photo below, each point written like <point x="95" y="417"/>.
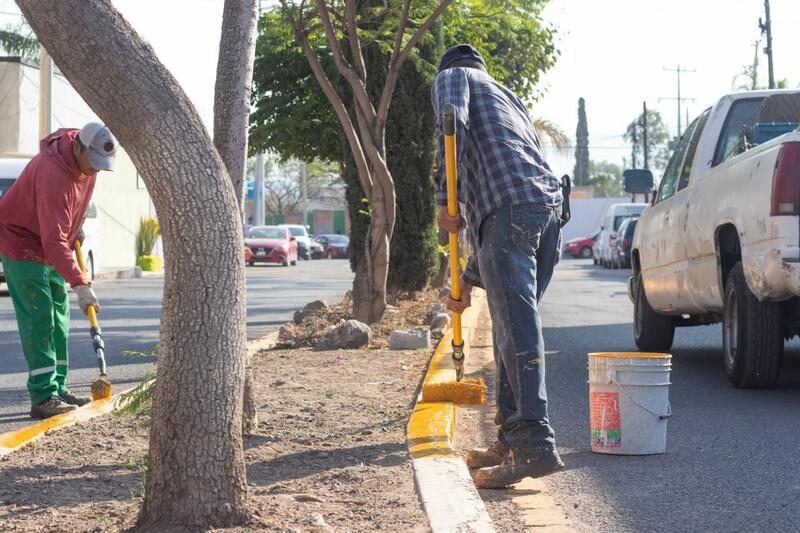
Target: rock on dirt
<point x="287" y="332"/>
<point x="414" y="339"/>
<point x="315" y="306"/>
<point x="439" y="322"/>
<point x="350" y="334"/>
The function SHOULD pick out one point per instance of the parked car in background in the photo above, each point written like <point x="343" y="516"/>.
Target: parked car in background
<point x="721" y="242"/>
<point x="581" y="246"/>
<point x="615" y="214"/>
<point x="317" y="250"/>
<point x="10" y="169"/>
<point x="300" y="233"/>
<point x="271" y="244"/>
<point x="621" y="248"/>
<point x="334" y="246"/>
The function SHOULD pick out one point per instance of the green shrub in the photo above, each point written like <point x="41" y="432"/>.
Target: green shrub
<point x="146" y="236"/>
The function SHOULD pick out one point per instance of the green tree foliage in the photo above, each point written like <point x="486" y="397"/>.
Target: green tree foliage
<point x="581" y="172"/>
<point x="511" y="35"/>
<point x="657" y="138"/>
<point x="19" y="41"/>
<point x="605" y="179"/>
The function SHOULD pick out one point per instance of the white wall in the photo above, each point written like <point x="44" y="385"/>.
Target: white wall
<point x="120" y="199"/>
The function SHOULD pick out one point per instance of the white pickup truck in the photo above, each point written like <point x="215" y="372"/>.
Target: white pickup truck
<point x="721" y="241"/>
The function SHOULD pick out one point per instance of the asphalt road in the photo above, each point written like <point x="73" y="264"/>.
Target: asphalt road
<point x="130" y="322"/>
<point x="732" y="455"/>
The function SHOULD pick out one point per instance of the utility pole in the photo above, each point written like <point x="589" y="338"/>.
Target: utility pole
<point x="304" y="185"/>
<point x="680" y="98"/>
<point x="258" y="192"/>
<point x="634" y="140"/>
<point x="45" y="93"/>
<point x="645" y="147"/>
<point x="766" y="28"/>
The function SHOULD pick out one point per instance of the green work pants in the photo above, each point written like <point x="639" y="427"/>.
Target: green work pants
<point x="41" y="303"/>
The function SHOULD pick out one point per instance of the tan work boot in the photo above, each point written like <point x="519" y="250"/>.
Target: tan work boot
<point x="517" y="466"/>
<point x="491" y="456"/>
<point x="51" y="407"/>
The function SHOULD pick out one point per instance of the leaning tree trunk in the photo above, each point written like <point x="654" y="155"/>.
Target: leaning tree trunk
<point x="196" y="473"/>
<point x="237" y="49"/>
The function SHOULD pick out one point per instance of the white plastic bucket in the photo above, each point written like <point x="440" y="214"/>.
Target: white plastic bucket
<point x="629" y="402"/>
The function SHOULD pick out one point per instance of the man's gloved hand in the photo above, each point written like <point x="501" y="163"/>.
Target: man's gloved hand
<point x="450" y="224"/>
<point x="86" y="297"/>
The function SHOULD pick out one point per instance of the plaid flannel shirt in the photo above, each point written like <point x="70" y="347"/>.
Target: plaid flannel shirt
<point x="499" y="158"/>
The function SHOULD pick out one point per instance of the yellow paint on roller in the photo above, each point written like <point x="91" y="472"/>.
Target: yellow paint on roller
<point x="12" y="440"/>
<point x="440" y="383"/>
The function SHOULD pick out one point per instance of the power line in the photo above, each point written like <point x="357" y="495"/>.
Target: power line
<point x="679" y="98"/>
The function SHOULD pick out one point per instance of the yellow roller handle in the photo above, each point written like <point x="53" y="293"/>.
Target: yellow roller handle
<point x="91" y="311"/>
<point x="451" y="168"/>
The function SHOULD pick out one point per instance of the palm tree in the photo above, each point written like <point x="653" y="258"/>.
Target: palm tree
<point x="551" y="135"/>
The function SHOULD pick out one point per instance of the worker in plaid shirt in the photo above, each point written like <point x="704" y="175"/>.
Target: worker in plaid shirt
<point x="513" y="208"/>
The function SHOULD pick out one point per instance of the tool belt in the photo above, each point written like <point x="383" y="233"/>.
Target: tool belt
<point x="566" y="190"/>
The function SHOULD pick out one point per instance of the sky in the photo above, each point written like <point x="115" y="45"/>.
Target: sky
<point x="613" y="54"/>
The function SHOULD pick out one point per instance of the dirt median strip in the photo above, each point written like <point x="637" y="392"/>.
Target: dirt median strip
<point x="444" y="485"/>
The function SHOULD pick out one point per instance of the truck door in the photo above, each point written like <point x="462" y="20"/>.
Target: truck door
<point x="664" y="259"/>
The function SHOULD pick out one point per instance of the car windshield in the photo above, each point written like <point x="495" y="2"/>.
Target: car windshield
<point x="297" y="232"/>
<point x="618" y="220"/>
<point x="267" y="233"/>
<point x="337" y="239"/>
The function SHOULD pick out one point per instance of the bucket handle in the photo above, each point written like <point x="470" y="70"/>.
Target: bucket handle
<point x="631" y="398"/>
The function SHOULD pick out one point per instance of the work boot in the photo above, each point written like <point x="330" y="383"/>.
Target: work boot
<point x="517" y="466"/>
<point x="51" y="407"/>
<point x="491" y="456"/>
<point x="71" y="399"/>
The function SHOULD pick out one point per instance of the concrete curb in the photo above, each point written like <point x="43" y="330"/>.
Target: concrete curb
<point x="443" y="482"/>
<point x="13" y="440"/>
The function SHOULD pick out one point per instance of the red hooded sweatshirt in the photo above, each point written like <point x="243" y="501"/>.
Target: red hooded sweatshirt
<point x="41" y="214"/>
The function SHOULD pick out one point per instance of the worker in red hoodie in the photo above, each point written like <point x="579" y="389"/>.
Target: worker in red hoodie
<point x="40" y="219"/>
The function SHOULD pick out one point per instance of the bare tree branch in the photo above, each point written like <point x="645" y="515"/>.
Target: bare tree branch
<point x="396" y="63"/>
<point x="335" y="101"/>
<point x="345" y="68"/>
<point x="355" y="43"/>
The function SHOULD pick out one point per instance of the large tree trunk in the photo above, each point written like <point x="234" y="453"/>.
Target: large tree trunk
<point x="196" y="471"/>
<point x="237" y="49"/>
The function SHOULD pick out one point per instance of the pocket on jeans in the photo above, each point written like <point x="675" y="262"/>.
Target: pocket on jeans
<point x="527" y="226"/>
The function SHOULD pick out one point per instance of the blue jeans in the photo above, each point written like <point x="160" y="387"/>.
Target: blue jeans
<point x="518" y="249"/>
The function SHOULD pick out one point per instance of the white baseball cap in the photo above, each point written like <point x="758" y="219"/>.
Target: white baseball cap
<point x="101" y="144"/>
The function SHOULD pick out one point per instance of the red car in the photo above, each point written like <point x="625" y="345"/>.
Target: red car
<point x="270" y="244"/>
<point x="581" y="247"/>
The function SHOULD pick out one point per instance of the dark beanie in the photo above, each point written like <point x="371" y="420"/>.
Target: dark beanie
<point x="461" y="53"/>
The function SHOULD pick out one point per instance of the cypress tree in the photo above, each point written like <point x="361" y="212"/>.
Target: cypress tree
<point x="581" y="172"/>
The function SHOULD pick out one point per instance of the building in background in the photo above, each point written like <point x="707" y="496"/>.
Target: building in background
<point x="120" y="196"/>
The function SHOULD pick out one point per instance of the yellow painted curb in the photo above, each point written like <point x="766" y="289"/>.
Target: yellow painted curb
<point x="431" y="428"/>
<point x="443" y="482"/>
<point x="13" y="440"/>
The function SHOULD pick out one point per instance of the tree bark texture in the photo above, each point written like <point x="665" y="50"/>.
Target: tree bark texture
<point x="196" y="471"/>
<point x="366" y="132"/>
<point x="237" y="49"/>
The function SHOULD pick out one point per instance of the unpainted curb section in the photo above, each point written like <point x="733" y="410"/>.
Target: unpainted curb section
<point x="444" y="484"/>
<point x="13" y="440"/>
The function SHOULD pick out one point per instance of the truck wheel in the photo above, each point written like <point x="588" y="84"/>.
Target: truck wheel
<point x="586" y="253"/>
<point x="653" y="332"/>
<point x="752" y="340"/>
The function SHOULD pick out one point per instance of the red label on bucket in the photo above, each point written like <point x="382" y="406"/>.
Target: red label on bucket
<point x="606" y="430"/>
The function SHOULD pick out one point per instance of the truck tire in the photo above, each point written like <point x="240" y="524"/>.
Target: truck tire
<point x="752" y="340"/>
<point x="586" y="252"/>
<point x="652" y="332"/>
